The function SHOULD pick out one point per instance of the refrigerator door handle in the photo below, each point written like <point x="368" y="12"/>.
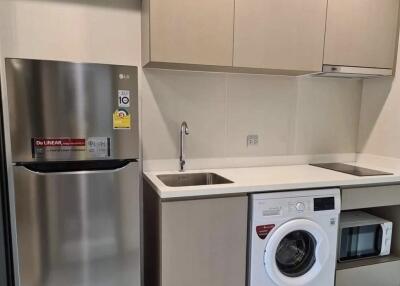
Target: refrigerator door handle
<point x="76" y="166"/>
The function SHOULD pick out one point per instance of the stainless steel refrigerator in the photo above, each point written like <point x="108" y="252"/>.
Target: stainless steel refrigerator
<point x="75" y="151"/>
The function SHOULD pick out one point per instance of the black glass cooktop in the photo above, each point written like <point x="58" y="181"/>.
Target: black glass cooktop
<point x="352" y="170"/>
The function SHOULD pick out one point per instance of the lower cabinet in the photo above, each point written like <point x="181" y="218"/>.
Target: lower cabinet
<point x="195" y="242"/>
<point x="382" y="201"/>
<point x="204" y="242"/>
<point x="381" y="274"/>
<point x="370" y="197"/>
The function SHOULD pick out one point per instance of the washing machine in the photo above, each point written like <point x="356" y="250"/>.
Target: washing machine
<point x="293" y="238"/>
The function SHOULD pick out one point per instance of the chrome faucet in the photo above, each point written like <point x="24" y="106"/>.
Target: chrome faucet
<point x="184" y="131"/>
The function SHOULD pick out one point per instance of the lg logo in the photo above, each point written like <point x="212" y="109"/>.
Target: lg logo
<point x="124" y="76"/>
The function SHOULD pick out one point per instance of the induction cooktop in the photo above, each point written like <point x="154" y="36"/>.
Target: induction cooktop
<point x="350" y="169"/>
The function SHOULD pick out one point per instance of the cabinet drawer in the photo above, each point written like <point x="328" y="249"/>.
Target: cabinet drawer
<point x="369" y="197"/>
<point x="383" y="274"/>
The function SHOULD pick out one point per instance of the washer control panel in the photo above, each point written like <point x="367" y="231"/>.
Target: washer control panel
<point x="300" y="205"/>
<point x="324" y="204"/>
<point x="294" y="206"/>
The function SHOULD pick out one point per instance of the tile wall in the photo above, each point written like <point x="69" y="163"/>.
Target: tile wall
<point x="291" y="116"/>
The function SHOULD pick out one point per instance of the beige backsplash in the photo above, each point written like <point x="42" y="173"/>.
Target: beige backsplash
<point x="292" y="116"/>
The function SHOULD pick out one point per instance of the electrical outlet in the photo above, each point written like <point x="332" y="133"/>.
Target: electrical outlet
<point x="252" y="140"/>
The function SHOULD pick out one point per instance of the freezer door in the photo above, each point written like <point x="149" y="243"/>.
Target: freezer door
<point x="79" y="228"/>
<point x="72" y="111"/>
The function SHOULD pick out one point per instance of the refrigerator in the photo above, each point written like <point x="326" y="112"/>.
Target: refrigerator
<point x="75" y="152"/>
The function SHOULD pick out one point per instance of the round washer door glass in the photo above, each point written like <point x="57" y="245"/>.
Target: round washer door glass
<point x="295" y="254"/>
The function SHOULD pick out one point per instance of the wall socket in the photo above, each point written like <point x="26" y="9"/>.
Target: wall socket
<point x="252" y="140"/>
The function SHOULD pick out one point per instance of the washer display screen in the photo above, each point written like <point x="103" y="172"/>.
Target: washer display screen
<point x="295" y="254"/>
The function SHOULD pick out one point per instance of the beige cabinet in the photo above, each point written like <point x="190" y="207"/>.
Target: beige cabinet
<point x="204" y="242"/>
<point x="279" y="34"/>
<point x="194" y="242"/>
<point x="385" y="273"/>
<point x="370" y="197"/>
<point x="361" y="33"/>
<point x="188" y="32"/>
<point x="269" y="36"/>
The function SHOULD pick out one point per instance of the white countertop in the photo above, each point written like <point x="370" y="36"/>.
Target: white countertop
<point x="273" y="178"/>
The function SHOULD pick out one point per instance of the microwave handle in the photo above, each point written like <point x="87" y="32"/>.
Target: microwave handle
<point x="386" y="238"/>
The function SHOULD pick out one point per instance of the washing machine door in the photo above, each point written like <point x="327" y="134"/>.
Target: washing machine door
<point x="296" y="253"/>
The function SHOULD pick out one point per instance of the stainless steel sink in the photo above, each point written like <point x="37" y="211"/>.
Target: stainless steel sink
<point x="192" y="179"/>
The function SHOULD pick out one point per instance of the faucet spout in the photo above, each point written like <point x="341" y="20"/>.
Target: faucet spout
<point x="183" y="132"/>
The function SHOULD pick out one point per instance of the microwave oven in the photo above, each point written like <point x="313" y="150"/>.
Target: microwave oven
<point x="362" y="235"/>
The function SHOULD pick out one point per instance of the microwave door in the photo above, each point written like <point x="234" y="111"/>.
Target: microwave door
<point x="77" y="227"/>
<point x="360" y="242"/>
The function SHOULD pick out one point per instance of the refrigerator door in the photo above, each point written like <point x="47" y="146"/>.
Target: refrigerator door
<point x="71" y="111"/>
<point x="79" y="228"/>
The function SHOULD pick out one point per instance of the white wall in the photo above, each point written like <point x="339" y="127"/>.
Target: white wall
<point x="290" y="115"/>
<point x="379" y="132"/>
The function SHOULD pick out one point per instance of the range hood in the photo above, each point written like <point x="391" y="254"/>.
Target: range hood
<point x="352" y="72"/>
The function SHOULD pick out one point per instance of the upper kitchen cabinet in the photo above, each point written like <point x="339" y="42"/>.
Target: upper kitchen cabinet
<point x="190" y="32"/>
<point x="347" y="38"/>
<point x="282" y="35"/>
<point x="361" y="33"/>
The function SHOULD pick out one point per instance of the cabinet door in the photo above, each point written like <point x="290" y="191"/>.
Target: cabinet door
<point x="204" y="242"/>
<point x="192" y="31"/>
<point x="280" y="34"/>
<point x="382" y="274"/>
<point x="361" y="33"/>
